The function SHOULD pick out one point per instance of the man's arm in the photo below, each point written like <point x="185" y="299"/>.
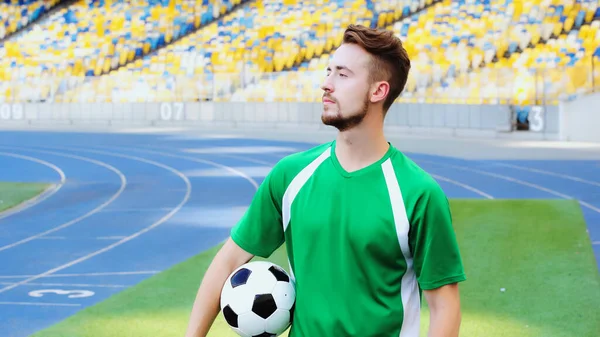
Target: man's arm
<point x="258" y="233"/>
<point x="436" y="259"/>
<point x="207" y="304"/>
<point x="444" y="311"/>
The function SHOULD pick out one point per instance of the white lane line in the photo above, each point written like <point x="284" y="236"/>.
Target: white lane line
<point x="117" y="273"/>
<point x="88" y="214"/>
<point x="42" y="304"/>
<point x="70" y="285"/>
<point x="549" y="173"/>
<point x="44" y="195"/>
<point x="194" y="159"/>
<point x="457" y="183"/>
<point x="126" y="239"/>
<point x="136" y="210"/>
<point x="517" y="181"/>
<point x="251" y="160"/>
<point x="79" y="238"/>
<point x="465" y="186"/>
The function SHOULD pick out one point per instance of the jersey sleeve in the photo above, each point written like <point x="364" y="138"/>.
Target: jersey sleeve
<point x="260" y="231"/>
<point x="436" y="256"/>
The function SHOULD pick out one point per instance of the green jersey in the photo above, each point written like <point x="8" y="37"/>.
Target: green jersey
<point x="361" y="245"/>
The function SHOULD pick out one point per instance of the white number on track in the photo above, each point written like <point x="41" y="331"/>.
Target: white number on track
<point x="70" y="293"/>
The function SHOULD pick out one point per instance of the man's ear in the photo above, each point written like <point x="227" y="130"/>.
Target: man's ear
<point x="379" y="91"/>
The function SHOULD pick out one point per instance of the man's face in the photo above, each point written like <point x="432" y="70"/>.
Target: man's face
<point x="346" y="88"/>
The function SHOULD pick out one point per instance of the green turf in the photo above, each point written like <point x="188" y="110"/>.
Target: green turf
<point x="537" y="250"/>
<point x="13" y="194"/>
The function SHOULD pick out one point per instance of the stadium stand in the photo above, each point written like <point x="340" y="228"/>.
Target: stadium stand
<point x="465" y="51"/>
<point x="262" y="38"/>
<point x="93" y="37"/>
<point x="17" y="14"/>
<point x="301" y="83"/>
<point x="537" y="53"/>
<point x="482" y="52"/>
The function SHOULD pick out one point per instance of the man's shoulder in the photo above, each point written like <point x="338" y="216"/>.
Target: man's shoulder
<point x="289" y="166"/>
<point x="299" y="160"/>
<point x="412" y="177"/>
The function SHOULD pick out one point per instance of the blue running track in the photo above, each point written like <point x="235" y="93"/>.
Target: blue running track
<point x="127" y="206"/>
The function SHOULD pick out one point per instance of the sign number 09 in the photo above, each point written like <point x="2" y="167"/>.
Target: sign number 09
<point x="11" y="111"/>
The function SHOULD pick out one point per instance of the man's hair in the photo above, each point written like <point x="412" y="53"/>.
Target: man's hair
<point x="390" y="60"/>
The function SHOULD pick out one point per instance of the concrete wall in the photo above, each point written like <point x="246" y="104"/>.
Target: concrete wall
<point x="580" y="119"/>
<point x="449" y="119"/>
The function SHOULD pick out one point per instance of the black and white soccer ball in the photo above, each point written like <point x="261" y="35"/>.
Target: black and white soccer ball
<point x="258" y="299"/>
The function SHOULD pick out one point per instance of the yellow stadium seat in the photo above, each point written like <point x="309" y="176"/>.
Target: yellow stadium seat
<point x="448" y="37"/>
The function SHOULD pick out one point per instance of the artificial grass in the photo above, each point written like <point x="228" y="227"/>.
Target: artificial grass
<point x="13" y="194"/>
<point x="540" y="253"/>
<point x="538" y="250"/>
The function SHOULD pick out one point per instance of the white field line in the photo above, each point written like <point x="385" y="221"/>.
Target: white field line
<point x="43" y="196"/>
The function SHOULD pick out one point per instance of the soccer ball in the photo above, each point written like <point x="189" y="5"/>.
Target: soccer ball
<point x="258" y="299"/>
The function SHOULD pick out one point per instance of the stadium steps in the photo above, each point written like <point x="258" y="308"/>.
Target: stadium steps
<point x="43" y="16"/>
<point x="326" y="51"/>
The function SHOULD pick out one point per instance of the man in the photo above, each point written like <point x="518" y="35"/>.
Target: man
<point x="366" y="230"/>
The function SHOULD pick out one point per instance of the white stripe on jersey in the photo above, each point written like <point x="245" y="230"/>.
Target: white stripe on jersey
<point x="294" y="187"/>
<point x="410" y="289"/>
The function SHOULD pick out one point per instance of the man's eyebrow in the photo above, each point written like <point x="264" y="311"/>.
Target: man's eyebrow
<point x="341" y="68"/>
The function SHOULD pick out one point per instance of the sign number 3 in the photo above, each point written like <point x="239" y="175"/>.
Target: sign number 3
<point x="70" y="293"/>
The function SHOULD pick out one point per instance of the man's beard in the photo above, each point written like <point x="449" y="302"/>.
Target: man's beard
<point x="343" y="123"/>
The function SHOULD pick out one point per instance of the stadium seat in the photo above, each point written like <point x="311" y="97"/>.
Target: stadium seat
<point x="262" y="39"/>
<point x="308" y="63"/>
<point x="466" y="52"/>
<point x="476" y="51"/>
<point x="16" y="14"/>
<point x="92" y="37"/>
<point x="512" y="52"/>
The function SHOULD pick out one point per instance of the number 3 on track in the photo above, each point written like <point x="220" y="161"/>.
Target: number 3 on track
<point x="70" y="293"/>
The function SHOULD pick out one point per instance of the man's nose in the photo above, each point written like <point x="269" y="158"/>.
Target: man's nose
<point x="326" y="85"/>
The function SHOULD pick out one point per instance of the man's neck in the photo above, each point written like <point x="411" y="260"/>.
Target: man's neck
<point x="360" y="147"/>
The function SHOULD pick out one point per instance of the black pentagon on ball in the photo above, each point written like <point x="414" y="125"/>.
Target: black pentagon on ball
<point x="240" y="277"/>
<point x="279" y="274"/>
<point x="264" y="305"/>
<point x="230" y="316"/>
<point x="265" y="334"/>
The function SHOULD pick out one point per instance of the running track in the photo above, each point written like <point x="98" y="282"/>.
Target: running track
<point x="127" y="206"/>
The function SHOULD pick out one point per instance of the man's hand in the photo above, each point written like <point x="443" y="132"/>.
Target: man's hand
<point x="444" y="308"/>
